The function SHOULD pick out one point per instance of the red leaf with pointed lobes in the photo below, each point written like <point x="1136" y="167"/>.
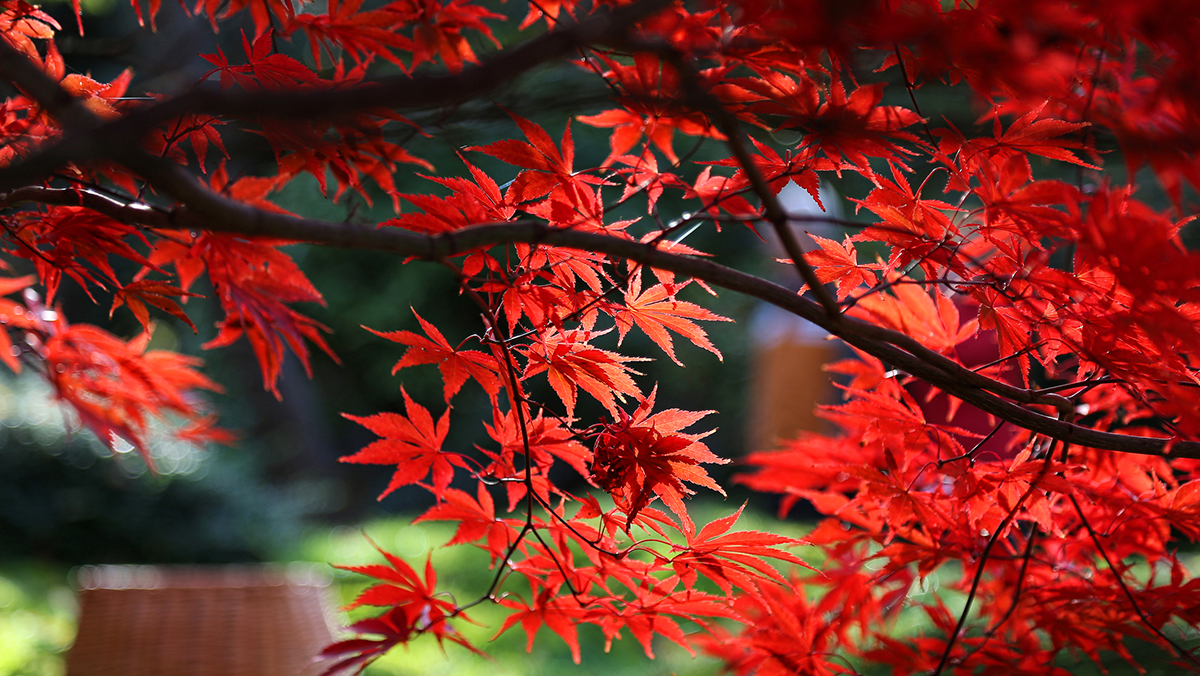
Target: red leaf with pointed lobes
<point x="253" y="281"/>
<point x="261" y="12"/>
<point x="643" y="456"/>
<point x="99" y="98"/>
<point x="650" y="108"/>
<point x="549" y="171"/>
<point x="117" y="386"/>
<point x="22" y="23"/>
<point x="655" y="311"/>
<point x="778" y="171"/>
<point x="571" y="363"/>
<point x="476" y="521"/>
<point x="650" y="613"/>
<point x="900" y="206"/>
<point x="59" y="241"/>
<point x="438" y="26"/>
<point x="547" y="439"/>
<point x="252" y="190"/>
<point x="144" y="291"/>
<point x="641" y="174"/>
<point x="721" y="193"/>
<point x="455" y="365"/>
<point x="199" y="130"/>
<point x="1028" y="135"/>
<point x="415" y="609"/>
<point x="839" y="262"/>
<point x="928" y="316"/>
<point x="845" y="129"/>
<point x="733" y="559"/>
<point x="362" y="34"/>
<point x="560" y="614"/>
<point x="263" y="69"/>
<point x="666" y="277"/>
<point x="470" y="203"/>
<point x="412" y="442"/>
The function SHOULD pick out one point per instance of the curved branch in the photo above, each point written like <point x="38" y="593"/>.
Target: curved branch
<point x="208" y="211"/>
<point x="773" y="211"/>
<point x="89" y="139"/>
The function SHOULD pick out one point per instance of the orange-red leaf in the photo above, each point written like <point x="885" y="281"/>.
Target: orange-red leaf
<point x="655" y="311"/>
<point x="413" y="443"/>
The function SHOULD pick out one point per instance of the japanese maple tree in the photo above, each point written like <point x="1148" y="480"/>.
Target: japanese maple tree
<point x="1060" y="527"/>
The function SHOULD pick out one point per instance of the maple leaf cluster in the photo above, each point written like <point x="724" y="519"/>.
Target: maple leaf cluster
<point x="1059" y="523"/>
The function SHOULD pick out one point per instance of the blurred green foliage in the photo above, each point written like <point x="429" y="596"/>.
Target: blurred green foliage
<point x="37" y="610"/>
<point x="37" y="619"/>
<point x="64" y="501"/>
<point x="38" y="606"/>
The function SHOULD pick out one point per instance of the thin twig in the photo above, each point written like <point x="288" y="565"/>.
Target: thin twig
<point x="1179" y="650"/>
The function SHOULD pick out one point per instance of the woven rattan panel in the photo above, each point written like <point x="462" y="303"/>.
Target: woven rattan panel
<point x="235" y="621"/>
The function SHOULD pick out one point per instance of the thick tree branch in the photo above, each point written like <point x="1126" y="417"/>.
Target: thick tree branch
<point x="37" y="85"/>
<point x="207" y="211"/>
<point x="79" y="143"/>
<point x="773" y="211"/>
<point x="87" y="139"/>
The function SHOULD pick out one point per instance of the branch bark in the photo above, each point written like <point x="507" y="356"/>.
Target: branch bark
<point x="203" y="210"/>
<point x="208" y="211"/>
<point x="89" y="138"/>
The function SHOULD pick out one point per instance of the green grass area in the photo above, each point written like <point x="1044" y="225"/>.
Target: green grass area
<point x="37" y="611"/>
<point x="464" y="573"/>
<point x="37" y="619"/>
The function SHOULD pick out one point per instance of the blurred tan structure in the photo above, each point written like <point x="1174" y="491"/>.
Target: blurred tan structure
<point x="786" y="385"/>
<point x="219" y="621"/>
<point x="787" y="380"/>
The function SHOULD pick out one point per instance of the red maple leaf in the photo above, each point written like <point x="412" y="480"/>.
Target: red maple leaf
<point x="476" y="519"/>
<point x="117" y="386"/>
<point x="649" y="109"/>
<point x="656" y="310"/>
<point x="362" y="34"/>
<point x="470" y="203"/>
<point x="254" y="282"/>
<point x="438" y="28"/>
<point x="721" y="193"/>
<point x="414" y="608"/>
<point x="560" y="614"/>
<point x="733" y="559"/>
<point x="639" y="457"/>
<point x="547" y="439"/>
<point x="549" y="171"/>
<point x="1027" y="135"/>
<point x="412" y="442"/>
<point x="455" y="365"/>
<point x="570" y="363"/>
<point x="144" y="291"/>
<point x="263" y="70"/>
<point x="260" y="12"/>
<point x="839" y="262"/>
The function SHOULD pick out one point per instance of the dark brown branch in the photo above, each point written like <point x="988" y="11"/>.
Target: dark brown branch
<point x="773" y="211"/>
<point x="87" y="139"/>
<point x="174" y="181"/>
<point x="1119" y="575"/>
<point x="209" y="211"/>
<point x="37" y="85"/>
<point x="206" y="210"/>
